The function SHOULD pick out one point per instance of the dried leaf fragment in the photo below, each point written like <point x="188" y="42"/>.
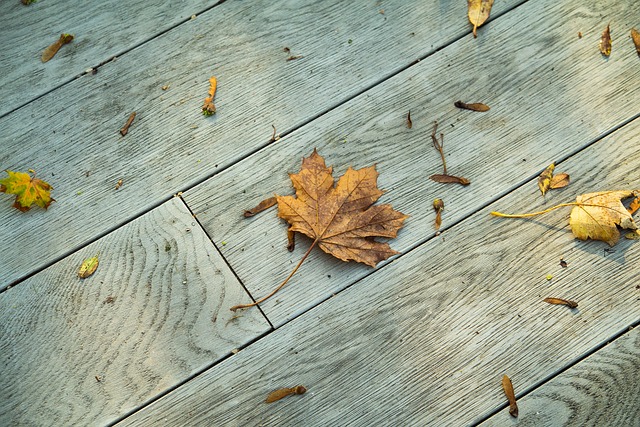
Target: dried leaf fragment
<point x="51" y="51"/>
<point x="597" y="216"/>
<point x="635" y="36"/>
<point x="508" y="391"/>
<point x="88" y="267"/>
<point x="291" y="57"/>
<point x="544" y="180"/>
<point x="262" y="206"/>
<point x="208" y="108"/>
<point x="284" y="392"/>
<point x="119" y="184"/>
<point x="339" y="217"/>
<point x="559" y="181"/>
<point x="438" y="206"/>
<point x="605" y="42"/>
<point x="478" y="12"/>
<point x="291" y="240"/>
<point x="560" y="301"/>
<point x="409" y="122"/>
<point x="473" y="107"/>
<point x="449" y="179"/>
<point x="125" y="128"/>
<point x="28" y="190"/>
<point x="634" y="235"/>
<point x="634" y="206"/>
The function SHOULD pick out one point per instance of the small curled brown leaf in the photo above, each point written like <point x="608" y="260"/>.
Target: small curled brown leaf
<point x="560" y="301"/>
<point x="473" y="107"/>
<point x="508" y="390"/>
<point x="291" y="240"/>
<point x="262" y="206"/>
<point x="605" y="42"/>
<point x="284" y="392"/>
<point x="438" y="206"/>
<point x="125" y="128"/>
<point x="409" y="122"/>
<point x="449" y="179"/>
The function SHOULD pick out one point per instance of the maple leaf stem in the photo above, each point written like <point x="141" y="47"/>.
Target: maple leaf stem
<point x="266" y="297"/>
<point x="562" y="205"/>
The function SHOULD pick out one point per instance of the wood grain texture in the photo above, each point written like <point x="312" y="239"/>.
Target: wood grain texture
<point x="550" y="94"/>
<point x="426" y="339"/>
<point x="102" y="30"/>
<point x="86" y="351"/>
<point x="171" y="146"/>
<point x="600" y="390"/>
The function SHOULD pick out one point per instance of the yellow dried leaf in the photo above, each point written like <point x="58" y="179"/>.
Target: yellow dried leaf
<point x="88" y="267"/>
<point x="28" y="190"/>
<point x="598" y="216"/>
<point x="544" y="180"/>
<point x="508" y="391"/>
<point x="559" y="181"/>
<point x="605" y="42"/>
<point x="479" y="11"/>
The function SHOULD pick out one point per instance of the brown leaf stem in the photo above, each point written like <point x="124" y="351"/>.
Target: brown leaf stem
<point x="439" y="145"/>
<point x="237" y="307"/>
<point x="552" y="208"/>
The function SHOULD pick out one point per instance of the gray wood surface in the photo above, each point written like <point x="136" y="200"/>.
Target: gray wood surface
<point x="171" y="146"/>
<point x="600" y="390"/>
<point x="102" y="30"/>
<point x="550" y="93"/>
<point x="86" y="351"/>
<point x="426" y="339"/>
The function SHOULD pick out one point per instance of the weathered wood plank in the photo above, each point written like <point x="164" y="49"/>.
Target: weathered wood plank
<point x="600" y="390"/>
<point x="550" y="92"/>
<point x="171" y="146"/>
<point x="426" y="339"/>
<point x="84" y="352"/>
<point x="101" y="29"/>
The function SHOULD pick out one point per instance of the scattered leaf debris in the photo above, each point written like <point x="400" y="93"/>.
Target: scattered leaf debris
<point x="560" y="301"/>
<point x="563" y="263"/>
<point x="444" y="178"/>
<point x="559" y="181"/>
<point x="579" y="34"/>
<point x="27" y="2"/>
<point x="208" y="108"/>
<point x="262" y="206"/>
<point x="284" y="392"/>
<point x="594" y="215"/>
<point x="473" y="107"/>
<point x="51" y="51"/>
<point x="338" y="217"/>
<point x="274" y="136"/>
<point x="634" y="206"/>
<point x="605" y="42"/>
<point x="88" y="267"/>
<point x="409" y="122"/>
<point x="125" y="128"/>
<point x="449" y="179"/>
<point x="478" y="12"/>
<point x="291" y="57"/>
<point x="28" y="190"/>
<point x="109" y="300"/>
<point x="438" y="206"/>
<point x="165" y="87"/>
<point x="544" y="180"/>
<point x="633" y="235"/>
<point x="508" y="391"/>
<point x="547" y="180"/>
<point x="635" y="36"/>
<point x="119" y="184"/>
<point x="549" y="277"/>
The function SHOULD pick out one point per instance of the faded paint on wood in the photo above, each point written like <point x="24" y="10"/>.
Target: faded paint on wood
<point x="600" y="390"/>
<point x="426" y="339"/>
<point x="550" y="93"/>
<point x="71" y="136"/>
<point x="86" y="351"/>
<point x="102" y="30"/>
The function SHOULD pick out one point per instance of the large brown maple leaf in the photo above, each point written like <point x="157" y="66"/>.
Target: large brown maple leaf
<point x="339" y="217"/>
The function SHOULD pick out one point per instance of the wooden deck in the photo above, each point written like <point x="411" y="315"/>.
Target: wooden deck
<point x="424" y="338"/>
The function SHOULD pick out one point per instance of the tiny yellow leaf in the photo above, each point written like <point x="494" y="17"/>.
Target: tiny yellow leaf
<point x="605" y="42"/>
<point x="88" y="267"/>
<point x="544" y="180"/>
